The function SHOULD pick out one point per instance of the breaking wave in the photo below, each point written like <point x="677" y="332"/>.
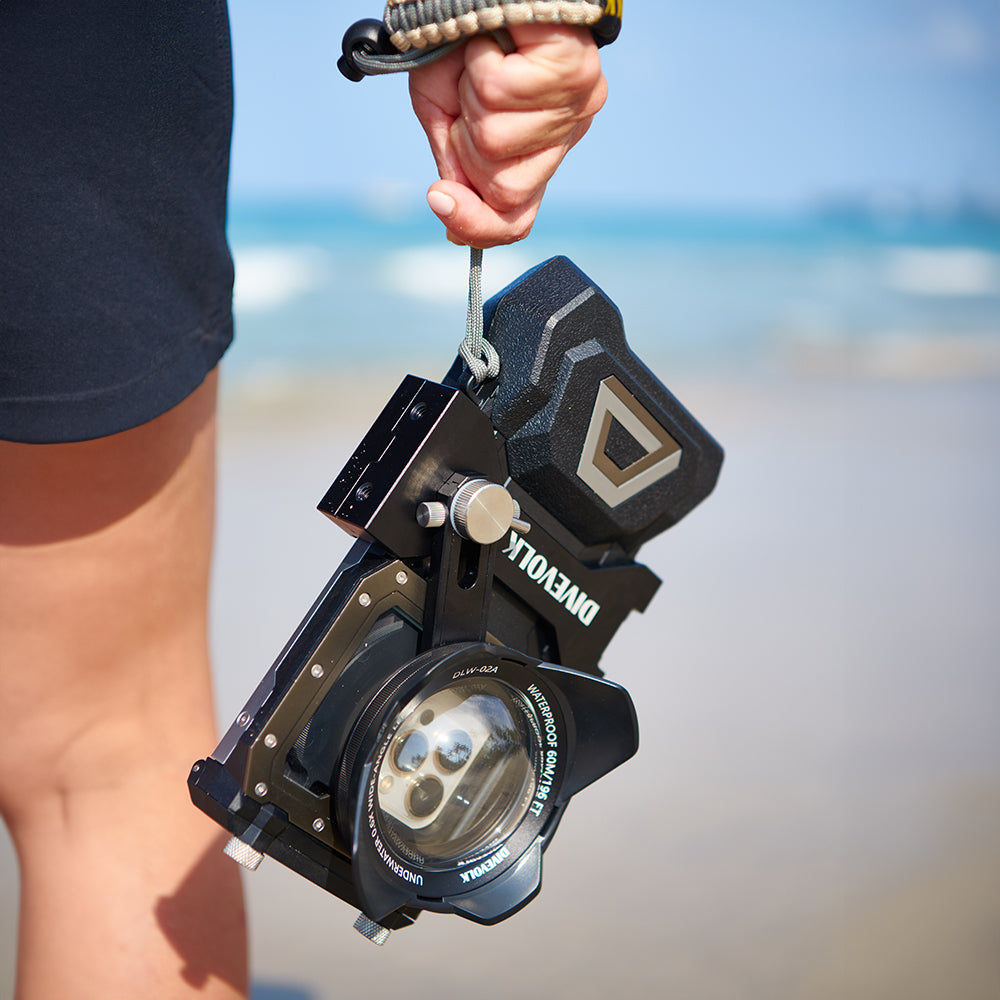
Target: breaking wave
<point x="269" y="276"/>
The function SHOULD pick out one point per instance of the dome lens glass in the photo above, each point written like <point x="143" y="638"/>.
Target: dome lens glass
<point x="467" y="755"/>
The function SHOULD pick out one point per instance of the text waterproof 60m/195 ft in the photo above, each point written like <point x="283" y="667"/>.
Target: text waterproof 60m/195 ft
<point x="416" y="742"/>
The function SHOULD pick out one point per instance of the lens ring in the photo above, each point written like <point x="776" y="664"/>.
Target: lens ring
<point x="493" y="808"/>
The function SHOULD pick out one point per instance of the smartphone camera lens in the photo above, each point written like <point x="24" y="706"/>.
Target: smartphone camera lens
<point x="424" y="796"/>
<point x="410" y="752"/>
<point x="453" y="751"/>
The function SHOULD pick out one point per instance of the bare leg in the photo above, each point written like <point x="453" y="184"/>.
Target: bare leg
<point x="105" y="702"/>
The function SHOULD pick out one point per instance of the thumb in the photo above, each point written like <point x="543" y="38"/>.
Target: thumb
<point x="471" y="221"/>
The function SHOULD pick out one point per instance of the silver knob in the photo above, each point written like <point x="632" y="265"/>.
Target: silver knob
<point x="431" y="514"/>
<point x="482" y="511"/>
<point x="249" y="857"/>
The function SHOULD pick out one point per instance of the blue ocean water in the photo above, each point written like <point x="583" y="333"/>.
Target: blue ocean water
<point x="332" y="286"/>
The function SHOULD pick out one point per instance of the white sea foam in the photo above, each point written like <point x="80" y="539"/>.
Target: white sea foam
<point x="947" y="271"/>
<point x="268" y="276"/>
<point x="440" y="274"/>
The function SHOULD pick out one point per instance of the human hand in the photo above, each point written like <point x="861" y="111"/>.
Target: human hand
<point x="499" y="126"/>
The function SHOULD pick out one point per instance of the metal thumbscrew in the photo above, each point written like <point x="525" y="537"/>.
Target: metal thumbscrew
<point x="431" y="514"/>
<point x="484" y="512"/>
<point x="481" y="511"/>
<point x="368" y="928"/>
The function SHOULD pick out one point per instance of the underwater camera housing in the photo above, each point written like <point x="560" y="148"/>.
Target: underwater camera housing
<point x="415" y="744"/>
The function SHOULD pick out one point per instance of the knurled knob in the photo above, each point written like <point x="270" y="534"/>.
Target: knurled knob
<point x="249" y="857"/>
<point x="431" y="514"/>
<point x="482" y="511"/>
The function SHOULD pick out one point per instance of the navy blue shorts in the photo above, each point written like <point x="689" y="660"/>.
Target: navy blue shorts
<point x="115" y="276"/>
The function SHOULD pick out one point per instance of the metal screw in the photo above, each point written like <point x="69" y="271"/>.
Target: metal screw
<point x="401" y="578"/>
<point x="519" y="524"/>
<point x="318" y="825"/>
<point x="243" y="719"/>
<point x="260" y="789"/>
<point x="364" y="600"/>
<point x="316" y="670"/>
<point x="270" y="741"/>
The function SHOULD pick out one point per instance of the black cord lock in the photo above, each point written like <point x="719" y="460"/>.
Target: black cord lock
<point x="367" y="37"/>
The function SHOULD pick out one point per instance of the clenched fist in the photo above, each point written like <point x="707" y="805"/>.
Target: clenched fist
<point x="499" y="126"/>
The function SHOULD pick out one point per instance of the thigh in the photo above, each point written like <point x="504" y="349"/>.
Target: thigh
<point x="105" y="551"/>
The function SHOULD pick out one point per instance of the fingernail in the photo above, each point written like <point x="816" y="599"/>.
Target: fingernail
<point x="441" y="204"/>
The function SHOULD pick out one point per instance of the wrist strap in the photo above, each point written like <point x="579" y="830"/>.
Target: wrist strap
<point x="425" y="24"/>
<point x="413" y="33"/>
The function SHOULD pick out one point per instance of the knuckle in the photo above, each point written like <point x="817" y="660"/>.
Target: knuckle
<point x="521" y="230"/>
<point x="505" y="197"/>
<point x="501" y="236"/>
<point x="492" y="90"/>
<point x="492" y="141"/>
<point x="589" y="85"/>
<point x="598" y="95"/>
<point x="591" y="70"/>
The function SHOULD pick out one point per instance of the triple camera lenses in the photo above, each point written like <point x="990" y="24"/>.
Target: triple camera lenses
<point x="458" y="774"/>
<point x="410" y="754"/>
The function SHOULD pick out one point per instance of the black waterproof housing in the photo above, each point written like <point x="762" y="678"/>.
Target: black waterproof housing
<point x="415" y="744"/>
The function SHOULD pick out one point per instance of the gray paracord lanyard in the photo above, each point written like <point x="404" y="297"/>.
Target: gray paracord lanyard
<point x="477" y="352"/>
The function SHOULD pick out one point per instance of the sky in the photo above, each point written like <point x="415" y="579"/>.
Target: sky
<point x="772" y="105"/>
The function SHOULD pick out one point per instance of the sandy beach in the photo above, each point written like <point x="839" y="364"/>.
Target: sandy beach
<point x="814" y="812"/>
